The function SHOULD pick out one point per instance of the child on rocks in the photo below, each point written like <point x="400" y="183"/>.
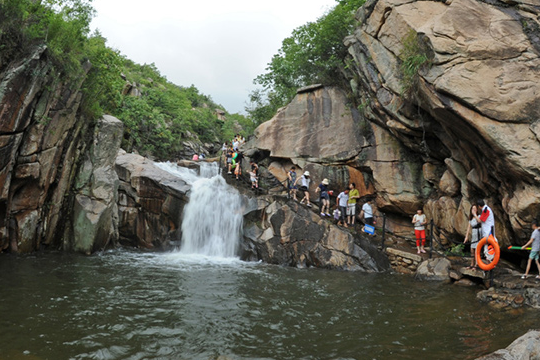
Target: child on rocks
<point x="535" y="249"/>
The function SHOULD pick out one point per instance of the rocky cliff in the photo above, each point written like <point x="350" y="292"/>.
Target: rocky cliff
<point x="42" y="137"/>
<point x="466" y="126"/>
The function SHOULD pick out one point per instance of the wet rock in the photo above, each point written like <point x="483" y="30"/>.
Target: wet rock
<point x="434" y="269"/>
<point x="290" y="234"/>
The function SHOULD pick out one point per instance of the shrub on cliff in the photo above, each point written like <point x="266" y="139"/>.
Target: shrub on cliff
<point x="314" y="53"/>
<point x="62" y="25"/>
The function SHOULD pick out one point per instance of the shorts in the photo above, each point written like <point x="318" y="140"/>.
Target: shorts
<point x="325" y="196"/>
<point x="253" y="179"/>
<point x="368" y="221"/>
<point x="534" y="255"/>
<point x="351" y="209"/>
<point x="303" y="188"/>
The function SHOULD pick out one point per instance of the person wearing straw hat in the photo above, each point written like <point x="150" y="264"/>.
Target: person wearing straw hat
<point x="304" y="187"/>
<point x="324" y="197"/>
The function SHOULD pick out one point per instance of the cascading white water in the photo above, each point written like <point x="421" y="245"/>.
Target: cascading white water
<point x="212" y="218"/>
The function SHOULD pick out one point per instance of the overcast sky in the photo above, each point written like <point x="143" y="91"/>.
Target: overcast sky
<point x="218" y="46"/>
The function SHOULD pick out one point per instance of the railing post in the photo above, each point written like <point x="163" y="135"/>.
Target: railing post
<point x="383" y="230"/>
<point x="431" y="238"/>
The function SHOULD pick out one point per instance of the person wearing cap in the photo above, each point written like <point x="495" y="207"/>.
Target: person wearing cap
<point x="304" y="181"/>
<point x="324" y="197"/>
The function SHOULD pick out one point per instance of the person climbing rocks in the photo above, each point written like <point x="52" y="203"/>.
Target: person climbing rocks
<point x="343" y="199"/>
<point x="229" y="161"/>
<point x="419" y="221"/>
<point x="535" y="250"/>
<point x="292" y="182"/>
<point x="304" y="187"/>
<point x="351" y="204"/>
<point x="238" y="169"/>
<point x="475" y="230"/>
<point x="324" y="198"/>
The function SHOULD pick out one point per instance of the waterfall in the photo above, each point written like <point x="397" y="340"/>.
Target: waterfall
<point x="212" y="219"/>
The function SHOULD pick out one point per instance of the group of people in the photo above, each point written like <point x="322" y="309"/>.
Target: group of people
<point x="346" y="201"/>
<point x="234" y="158"/>
<point x="482" y="224"/>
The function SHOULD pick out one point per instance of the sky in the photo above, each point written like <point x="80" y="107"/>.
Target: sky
<point x="218" y="46"/>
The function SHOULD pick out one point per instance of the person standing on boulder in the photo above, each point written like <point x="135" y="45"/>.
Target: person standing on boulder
<point x="535" y="250"/>
<point x="324" y="197"/>
<point x="351" y="204"/>
<point x="343" y="199"/>
<point x="419" y="221"/>
<point x="305" y="180"/>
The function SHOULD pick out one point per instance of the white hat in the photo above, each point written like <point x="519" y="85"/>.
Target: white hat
<point x="325" y="182"/>
<point x="306" y="173"/>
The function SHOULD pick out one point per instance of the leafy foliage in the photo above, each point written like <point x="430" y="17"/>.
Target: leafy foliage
<point x="158" y="115"/>
<point x="314" y="53"/>
<point x="413" y="57"/>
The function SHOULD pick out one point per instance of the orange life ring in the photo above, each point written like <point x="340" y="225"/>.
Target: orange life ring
<point x="493" y="249"/>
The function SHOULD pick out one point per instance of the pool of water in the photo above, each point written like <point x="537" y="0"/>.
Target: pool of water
<point x="132" y="305"/>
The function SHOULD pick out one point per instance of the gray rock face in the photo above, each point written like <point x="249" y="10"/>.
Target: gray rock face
<point x="41" y="139"/>
<point x="95" y="211"/>
<point x="291" y="235"/>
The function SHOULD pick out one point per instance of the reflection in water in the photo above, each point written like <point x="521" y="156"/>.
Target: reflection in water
<point x="127" y="305"/>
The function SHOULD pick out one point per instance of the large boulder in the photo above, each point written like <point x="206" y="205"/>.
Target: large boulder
<point x="150" y="202"/>
<point x="472" y="113"/>
<point x="95" y="210"/>
<point x="292" y="235"/>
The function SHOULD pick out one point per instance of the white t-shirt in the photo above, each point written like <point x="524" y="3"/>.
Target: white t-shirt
<point x="488" y="221"/>
<point x="305" y="181"/>
<point x="343" y="199"/>
<point x="368" y="211"/>
<point x="419" y="219"/>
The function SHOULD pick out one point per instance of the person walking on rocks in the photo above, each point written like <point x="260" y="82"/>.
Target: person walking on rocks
<point x="475" y="230"/>
<point x="343" y="199"/>
<point x="351" y="204"/>
<point x="367" y="213"/>
<point x="292" y="182"/>
<point x="304" y="187"/>
<point x="535" y="250"/>
<point x="324" y="197"/>
<point x="419" y="221"/>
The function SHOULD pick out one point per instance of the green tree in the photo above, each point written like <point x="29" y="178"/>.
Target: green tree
<point x="314" y="53"/>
